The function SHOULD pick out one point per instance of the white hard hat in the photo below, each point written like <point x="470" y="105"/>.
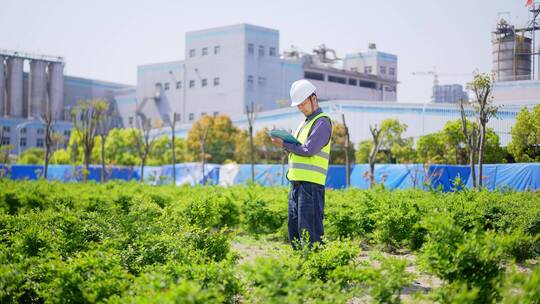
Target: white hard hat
<point x="300" y="90"/>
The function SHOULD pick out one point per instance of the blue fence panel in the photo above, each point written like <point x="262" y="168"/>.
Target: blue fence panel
<point x="521" y="177"/>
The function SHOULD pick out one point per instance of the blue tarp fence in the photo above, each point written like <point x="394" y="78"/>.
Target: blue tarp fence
<point x="521" y="176"/>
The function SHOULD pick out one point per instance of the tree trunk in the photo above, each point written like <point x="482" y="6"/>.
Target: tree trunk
<point x="86" y="166"/>
<point x="251" y="158"/>
<point x="473" y="175"/>
<point x="173" y="159"/>
<point x="143" y="161"/>
<point x="203" y="161"/>
<point x="481" y="156"/>
<point x="102" y="159"/>
<point x="47" y="153"/>
<point x="371" y="174"/>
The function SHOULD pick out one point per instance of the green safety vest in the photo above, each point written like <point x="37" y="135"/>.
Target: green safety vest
<point x="309" y="168"/>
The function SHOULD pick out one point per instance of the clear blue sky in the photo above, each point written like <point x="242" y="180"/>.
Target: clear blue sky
<point x="108" y="39"/>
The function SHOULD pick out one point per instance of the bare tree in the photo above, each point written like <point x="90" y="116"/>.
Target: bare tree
<point x="485" y="110"/>
<point x="86" y="117"/>
<point x="48" y="124"/>
<point x="251" y="114"/>
<point x="144" y="140"/>
<point x="377" y="134"/>
<point x="174" y="120"/>
<point x="346" y="148"/>
<point x="4" y="153"/>
<point x="470" y="132"/>
<point x="104" y="127"/>
<point x="202" y="139"/>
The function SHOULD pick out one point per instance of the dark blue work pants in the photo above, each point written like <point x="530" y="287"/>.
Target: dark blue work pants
<point x="306" y="212"/>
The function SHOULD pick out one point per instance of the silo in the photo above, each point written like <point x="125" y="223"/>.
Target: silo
<point x="15" y="86"/>
<point x="2" y="87"/>
<point x="38" y="89"/>
<point x="56" y="89"/>
<point x="511" y="57"/>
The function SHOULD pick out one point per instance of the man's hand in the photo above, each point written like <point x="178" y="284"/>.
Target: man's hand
<point x="277" y="141"/>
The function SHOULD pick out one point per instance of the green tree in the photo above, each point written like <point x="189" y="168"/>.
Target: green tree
<point x="121" y="148"/>
<point x="525" y="143"/>
<point x="403" y="151"/>
<point x="32" y="156"/>
<point x="212" y="136"/>
<point x="86" y="118"/>
<point x="267" y="152"/>
<point x="161" y="152"/>
<point x="431" y="149"/>
<point x="391" y="138"/>
<point x="337" y="151"/>
<point x="241" y="147"/>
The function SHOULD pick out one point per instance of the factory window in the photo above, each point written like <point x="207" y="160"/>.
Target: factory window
<point x="367" y="69"/>
<point x="22" y="142"/>
<point x="216" y="81"/>
<point x="192" y="53"/>
<point x="23" y="131"/>
<point x="336" y="79"/>
<point x="39" y="143"/>
<point x="205" y="51"/>
<point x="251" y="49"/>
<point x="368" y="84"/>
<point x="261" y="50"/>
<point x="313" y="75"/>
<point x="6" y="129"/>
<point x="5" y="140"/>
<point x="354" y="69"/>
<point x="167" y="86"/>
<point x="383" y="70"/>
<point x="192" y="83"/>
<point x="204" y="82"/>
<point x="272" y="51"/>
<point x="353" y="81"/>
<point x="40" y="131"/>
<point x="191" y="116"/>
<point x="216" y="49"/>
<point x="178" y="85"/>
<point x="261" y="81"/>
<point x="250" y="80"/>
<point x="392" y="71"/>
<point x="216" y="113"/>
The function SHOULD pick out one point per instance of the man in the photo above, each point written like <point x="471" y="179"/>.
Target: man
<point x="308" y="165"/>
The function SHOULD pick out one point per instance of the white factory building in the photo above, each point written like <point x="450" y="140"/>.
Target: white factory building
<point x="229" y="67"/>
<point x="421" y="119"/>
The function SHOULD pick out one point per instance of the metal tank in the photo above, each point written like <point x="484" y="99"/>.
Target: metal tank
<point x="56" y="89"/>
<point x="38" y="89"/>
<point x="511" y="53"/>
<point x="15" y="86"/>
<point x="2" y="87"/>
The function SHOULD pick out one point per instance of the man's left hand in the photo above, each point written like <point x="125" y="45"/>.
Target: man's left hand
<point x="277" y="141"/>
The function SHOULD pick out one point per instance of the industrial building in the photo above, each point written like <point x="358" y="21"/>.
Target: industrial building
<point x="516" y="61"/>
<point x="449" y="93"/>
<point x="25" y="96"/>
<point x="421" y="119"/>
<point x="228" y="68"/>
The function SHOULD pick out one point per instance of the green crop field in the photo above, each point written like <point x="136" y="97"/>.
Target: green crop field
<point x="132" y="243"/>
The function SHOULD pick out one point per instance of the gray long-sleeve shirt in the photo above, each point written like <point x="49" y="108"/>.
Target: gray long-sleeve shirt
<point x="318" y="138"/>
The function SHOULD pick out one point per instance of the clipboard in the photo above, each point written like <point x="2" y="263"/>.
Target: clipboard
<point x="284" y="135"/>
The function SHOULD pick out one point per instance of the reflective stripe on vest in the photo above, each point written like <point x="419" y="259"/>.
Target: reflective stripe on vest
<point x="309" y="168"/>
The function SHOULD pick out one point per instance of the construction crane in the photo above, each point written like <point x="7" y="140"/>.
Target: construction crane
<point x="436" y="75"/>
